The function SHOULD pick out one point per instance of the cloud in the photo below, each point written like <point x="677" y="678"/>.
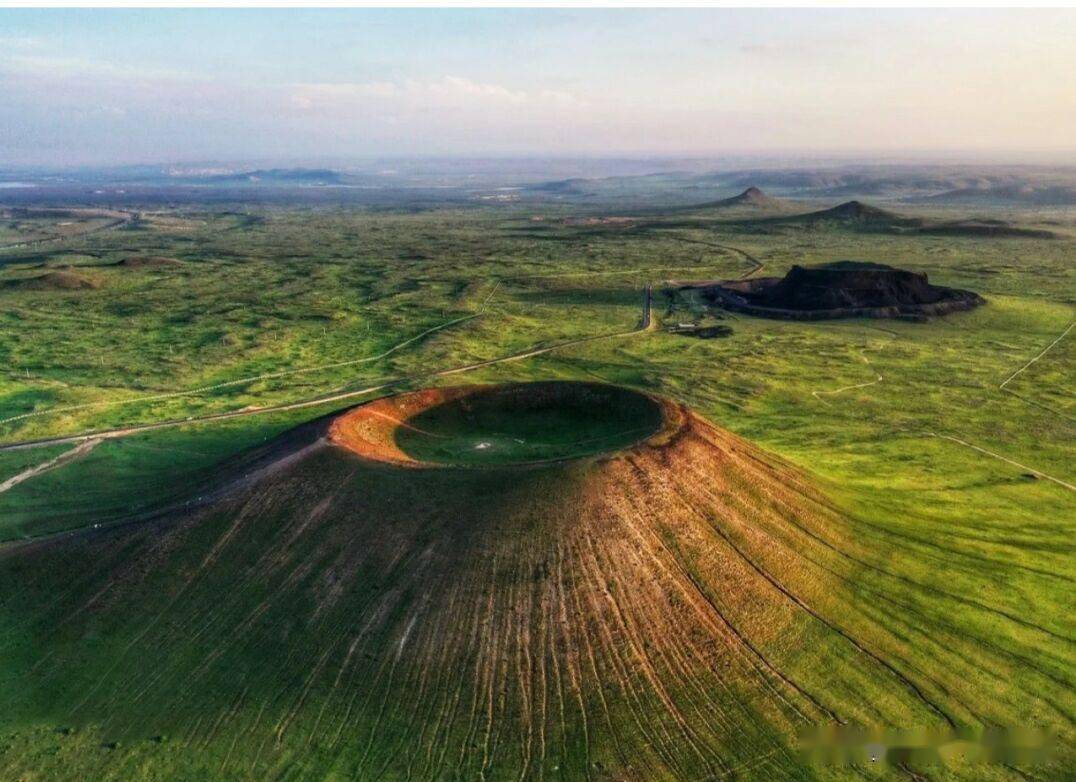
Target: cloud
<point x="48" y="66"/>
<point x="798" y="48"/>
<point x="322" y="96"/>
<point x="868" y="79"/>
<point x="20" y="42"/>
<point x="448" y="92"/>
<point x="453" y="86"/>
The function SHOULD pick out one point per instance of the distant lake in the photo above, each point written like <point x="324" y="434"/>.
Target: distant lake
<point x="16" y="184"/>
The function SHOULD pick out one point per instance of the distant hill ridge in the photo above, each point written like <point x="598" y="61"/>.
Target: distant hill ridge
<point x="308" y="176"/>
<point x="1022" y="194"/>
<point x="862" y="216"/>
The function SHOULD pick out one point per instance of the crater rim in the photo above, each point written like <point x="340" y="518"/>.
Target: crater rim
<point x="385" y="429"/>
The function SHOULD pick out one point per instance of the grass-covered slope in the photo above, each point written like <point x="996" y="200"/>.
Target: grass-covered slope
<point x="678" y="610"/>
<point x="944" y="447"/>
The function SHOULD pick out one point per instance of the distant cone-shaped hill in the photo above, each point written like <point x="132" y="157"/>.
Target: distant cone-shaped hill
<point x="345" y="606"/>
<point x="752" y="196"/>
<point x="754" y="199"/>
<point x="859" y="216"/>
<point x="855" y="210"/>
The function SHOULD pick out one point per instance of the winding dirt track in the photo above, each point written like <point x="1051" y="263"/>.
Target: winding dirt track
<point x="755" y="262"/>
<point x="255" y="378"/>
<point x="116" y="223"/>
<point x="818" y="394"/>
<point x="644" y="326"/>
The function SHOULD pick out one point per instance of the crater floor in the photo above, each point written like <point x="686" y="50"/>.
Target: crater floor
<point x="496" y="425"/>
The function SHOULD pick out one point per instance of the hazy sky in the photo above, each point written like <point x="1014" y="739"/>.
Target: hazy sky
<point x="103" y="87"/>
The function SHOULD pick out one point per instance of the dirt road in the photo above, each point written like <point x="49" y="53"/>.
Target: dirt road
<point x="645" y="325"/>
<point x="83" y="448"/>
<point x="116" y="223"/>
<point x="1006" y="459"/>
<point x="1018" y="372"/>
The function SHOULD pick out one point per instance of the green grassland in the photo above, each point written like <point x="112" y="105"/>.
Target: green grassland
<point x="949" y="454"/>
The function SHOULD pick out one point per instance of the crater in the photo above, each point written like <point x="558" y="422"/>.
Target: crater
<point x="497" y="425"/>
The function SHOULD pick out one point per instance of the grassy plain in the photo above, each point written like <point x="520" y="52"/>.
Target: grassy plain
<point x="954" y="560"/>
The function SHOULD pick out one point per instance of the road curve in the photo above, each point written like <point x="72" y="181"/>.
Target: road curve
<point x="116" y="223"/>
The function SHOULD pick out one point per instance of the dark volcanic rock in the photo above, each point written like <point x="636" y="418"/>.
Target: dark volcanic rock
<point x="843" y="289"/>
<point x="827" y="288"/>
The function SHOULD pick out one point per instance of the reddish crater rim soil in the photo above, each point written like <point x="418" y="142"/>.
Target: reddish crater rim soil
<point x="371" y="430"/>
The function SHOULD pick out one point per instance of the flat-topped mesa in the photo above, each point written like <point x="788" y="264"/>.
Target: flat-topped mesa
<point x="843" y="289"/>
<point x="849" y="285"/>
